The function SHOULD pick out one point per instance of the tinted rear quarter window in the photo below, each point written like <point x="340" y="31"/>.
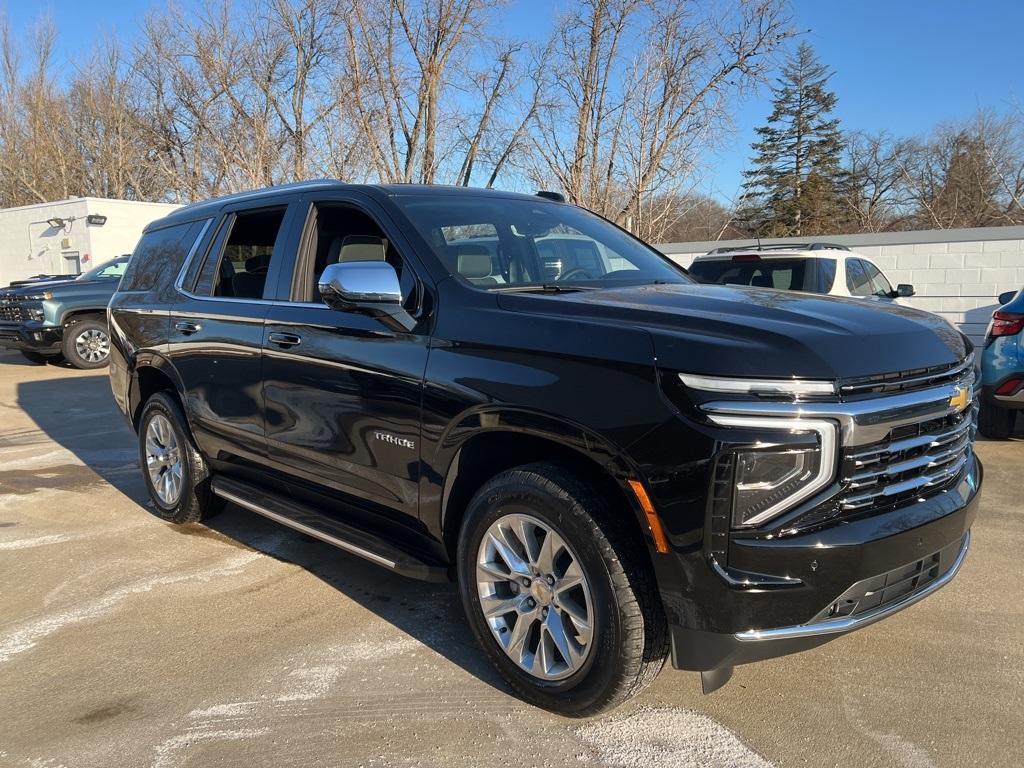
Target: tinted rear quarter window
<point x="158" y="257"/>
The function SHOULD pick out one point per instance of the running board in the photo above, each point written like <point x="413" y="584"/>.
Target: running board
<point x="307" y="520"/>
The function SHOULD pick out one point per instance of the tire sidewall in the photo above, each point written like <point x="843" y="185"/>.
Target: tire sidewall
<point x="70" y="351"/>
<point x="159" y="404"/>
<point x="570" y="522"/>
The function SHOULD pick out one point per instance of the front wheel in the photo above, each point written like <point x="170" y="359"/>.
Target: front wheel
<point x="86" y="343"/>
<point x="558" y="590"/>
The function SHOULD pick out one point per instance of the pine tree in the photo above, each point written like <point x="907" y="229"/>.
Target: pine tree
<point x="794" y="185"/>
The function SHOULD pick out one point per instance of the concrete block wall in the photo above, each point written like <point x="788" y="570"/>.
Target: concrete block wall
<point x="957" y="273"/>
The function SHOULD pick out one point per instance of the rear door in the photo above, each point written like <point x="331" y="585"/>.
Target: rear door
<point x="216" y="327"/>
<point x="342" y="390"/>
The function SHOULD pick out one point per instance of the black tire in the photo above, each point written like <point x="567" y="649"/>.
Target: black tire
<point x="85" y="358"/>
<point x="630" y="641"/>
<point x="195" y="501"/>
<point x="996" y="423"/>
<point x="36" y="357"/>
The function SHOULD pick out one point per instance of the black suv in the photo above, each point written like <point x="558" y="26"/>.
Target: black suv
<point x="614" y="463"/>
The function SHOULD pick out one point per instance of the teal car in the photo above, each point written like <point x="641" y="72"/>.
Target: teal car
<point x="1002" y="368"/>
<point x="62" y="320"/>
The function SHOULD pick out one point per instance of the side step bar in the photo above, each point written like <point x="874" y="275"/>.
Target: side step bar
<point x="307" y="520"/>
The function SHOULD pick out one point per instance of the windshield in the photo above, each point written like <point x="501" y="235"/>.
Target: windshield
<point x="508" y="243"/>
<point x="113" y="268"/>
<point x="786" y="274"/>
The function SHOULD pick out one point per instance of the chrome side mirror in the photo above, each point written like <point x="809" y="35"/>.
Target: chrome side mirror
<point x="348" y="284"/>
<point x="367" y="288"/>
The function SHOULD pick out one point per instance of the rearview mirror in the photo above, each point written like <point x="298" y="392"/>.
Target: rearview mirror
<point x="366" y="287"/>
<point x="904" y="290"/>
<point x="1006" y="298"/>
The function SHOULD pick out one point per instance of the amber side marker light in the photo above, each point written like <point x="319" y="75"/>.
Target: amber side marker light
<point x="653" y="521"/>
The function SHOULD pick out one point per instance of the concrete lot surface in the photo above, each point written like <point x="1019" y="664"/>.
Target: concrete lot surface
<point x="125" y="641"/>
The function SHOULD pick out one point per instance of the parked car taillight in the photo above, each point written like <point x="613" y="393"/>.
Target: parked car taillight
<point x="1005" y="324"/>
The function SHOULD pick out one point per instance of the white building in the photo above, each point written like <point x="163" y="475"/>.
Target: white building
<point x="70" y="236"/>
<point x="957" y="273"/>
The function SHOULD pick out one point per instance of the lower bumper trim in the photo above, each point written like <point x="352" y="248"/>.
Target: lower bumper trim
<point x="843" y="625"/>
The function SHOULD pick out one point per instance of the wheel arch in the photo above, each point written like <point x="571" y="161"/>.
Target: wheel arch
<point x="73" y="315"/>
<point x="153" y="373"/>
<point x="486" y="452"/>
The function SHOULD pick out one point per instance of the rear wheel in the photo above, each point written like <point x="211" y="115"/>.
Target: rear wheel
<point x="176" y="474"/>
<point x="996" y="423"/>
<point x="86" y="343"/>
<point x="559" y="592"/>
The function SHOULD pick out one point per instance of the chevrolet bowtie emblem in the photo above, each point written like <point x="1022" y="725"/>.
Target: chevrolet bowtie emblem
<point x="960" y="400"/>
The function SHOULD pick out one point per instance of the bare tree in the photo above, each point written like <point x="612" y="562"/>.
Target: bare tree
<point x="640" y="89"/>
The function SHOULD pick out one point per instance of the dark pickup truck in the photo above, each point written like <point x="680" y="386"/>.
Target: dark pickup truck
<point x="615" y="464"/>
<point x="54" y="320"/>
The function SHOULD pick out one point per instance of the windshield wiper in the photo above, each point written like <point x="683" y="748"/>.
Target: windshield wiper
<point x="544" y="288"/>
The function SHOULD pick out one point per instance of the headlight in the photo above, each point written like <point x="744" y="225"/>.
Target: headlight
<point x="45" y="296"/>
<point x="772" y="480"/>
<point x="35" y="313"/>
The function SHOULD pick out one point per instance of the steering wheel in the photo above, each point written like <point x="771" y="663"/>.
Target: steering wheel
<point x="574" y="272"/>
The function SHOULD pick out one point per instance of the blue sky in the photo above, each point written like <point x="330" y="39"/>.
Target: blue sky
<point x="900" y="65"/>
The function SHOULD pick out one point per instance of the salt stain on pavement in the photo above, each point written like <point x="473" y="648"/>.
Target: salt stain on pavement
<point x="667" y="737"/>
<point x="26" y="636"/>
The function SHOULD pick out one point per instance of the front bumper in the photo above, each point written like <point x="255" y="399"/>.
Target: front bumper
<point x="840" y="579"/>
<point x="34" y="337"/>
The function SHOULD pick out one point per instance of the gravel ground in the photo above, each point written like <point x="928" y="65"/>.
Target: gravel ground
<point x="126" y="641"/>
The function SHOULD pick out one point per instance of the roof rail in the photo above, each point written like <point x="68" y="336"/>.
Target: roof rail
<point x="781" y="247"/>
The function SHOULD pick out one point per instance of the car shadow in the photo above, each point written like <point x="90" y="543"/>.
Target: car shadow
<point x="78" y="413"/>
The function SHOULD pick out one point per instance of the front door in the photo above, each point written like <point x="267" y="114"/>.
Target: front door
<point x="342" y="390"/>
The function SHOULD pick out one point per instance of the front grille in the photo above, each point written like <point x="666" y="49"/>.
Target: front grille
<point x="880" y="591"/>
<point x="13" y="313"/>
<point x="913" y="460"/>
<point x="907" y="381"/>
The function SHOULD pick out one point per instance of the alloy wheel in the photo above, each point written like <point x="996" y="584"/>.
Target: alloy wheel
<point x="535" y="596"/>
<point x="92" y="345"/>
<point x="163" y="459"/>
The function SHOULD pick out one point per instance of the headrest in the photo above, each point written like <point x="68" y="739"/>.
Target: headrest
<point x="761" y="281"/>
<point x="258" y="263"/>
<point x="473" y="261"/>
<point x="361" y="248"/>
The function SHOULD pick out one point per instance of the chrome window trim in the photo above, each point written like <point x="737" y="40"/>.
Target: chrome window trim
<point x="838" y="626"/>
<point x="180" y="279"/>
<point x="827" y="467"/>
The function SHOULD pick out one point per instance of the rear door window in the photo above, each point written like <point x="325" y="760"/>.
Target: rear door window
<point x="239" y="260"/>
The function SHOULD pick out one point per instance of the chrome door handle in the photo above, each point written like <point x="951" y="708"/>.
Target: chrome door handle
<point x="186" y="327"/>
<point x="285" y="339"/>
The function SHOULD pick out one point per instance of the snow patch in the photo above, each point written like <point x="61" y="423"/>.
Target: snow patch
<point x="168" y="753"/>
<point x="667" y="738"/>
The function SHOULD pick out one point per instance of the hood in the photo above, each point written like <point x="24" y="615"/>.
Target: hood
<point x="56" y="287"/>
<point x="761" y="332"/>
